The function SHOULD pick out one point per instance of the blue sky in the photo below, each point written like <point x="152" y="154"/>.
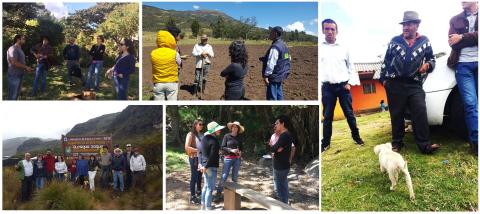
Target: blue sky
<point x="62" y="9"/>
<point x="367" y="26"/>
<point x="290" y="15"/>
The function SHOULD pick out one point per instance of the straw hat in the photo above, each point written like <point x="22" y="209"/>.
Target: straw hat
<point x="241" y="128"/>
<point x="213" y="127"/>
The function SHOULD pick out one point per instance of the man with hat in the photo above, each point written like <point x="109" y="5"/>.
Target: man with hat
<point x="118" y="168"/>
<point x="408" y="60"/>
<point x="463" y="38"/>
<point x="128" y="173"/>
<point x="137" y="167"/>
<point x="203" y="53"/>
<point x="276" y="65"/>
<point x="210" y="162"/>
<point x="337" y="76"/>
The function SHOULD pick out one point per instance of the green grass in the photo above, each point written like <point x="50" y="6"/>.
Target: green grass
<point x="352" y="181"/>
<point x="57" y="87"/>
<point x="176" y="159"/>
<point x="149" y="39"/>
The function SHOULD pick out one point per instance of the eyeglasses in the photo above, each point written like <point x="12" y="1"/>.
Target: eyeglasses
<point x="122" y="44"/>
<point x="200" y="124"/>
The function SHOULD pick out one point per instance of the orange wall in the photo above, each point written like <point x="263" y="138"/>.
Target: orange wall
<point x="361" y="101"/>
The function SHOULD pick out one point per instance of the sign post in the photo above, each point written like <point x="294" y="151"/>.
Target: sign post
<point x="73" y="146"/>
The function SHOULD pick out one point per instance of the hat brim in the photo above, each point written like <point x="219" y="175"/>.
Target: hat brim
<point x="216" y="129"/>
<point x="414" y="20"/>
<point x="242" y="129"/>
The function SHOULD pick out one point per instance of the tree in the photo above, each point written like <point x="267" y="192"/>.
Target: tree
<point x="195" y="28"/>
<point x="171" y="22"/>
<point x="218" y="29"/>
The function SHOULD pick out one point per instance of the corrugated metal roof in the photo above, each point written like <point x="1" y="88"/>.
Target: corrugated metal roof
<point x="369" y="67"/>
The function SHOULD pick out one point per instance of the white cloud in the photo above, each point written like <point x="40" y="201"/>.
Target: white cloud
<point x="313" y="22"/>
<point x="311" y="33"/>
<point x="196" y="7"/>
<point x="57" y="9"/>
<point x="295" y="26"/>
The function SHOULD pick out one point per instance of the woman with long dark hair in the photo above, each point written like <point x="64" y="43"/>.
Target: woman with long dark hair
<point x="192" y="147"/>
<point x="124" y="66"/>
<point x="236" y="71"/>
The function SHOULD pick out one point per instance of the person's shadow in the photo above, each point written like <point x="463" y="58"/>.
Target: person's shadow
<point x="188" y="88"/>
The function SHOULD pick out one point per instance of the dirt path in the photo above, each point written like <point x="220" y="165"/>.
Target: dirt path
<point x="300" y="85"/>
<point x="304" y="190"/>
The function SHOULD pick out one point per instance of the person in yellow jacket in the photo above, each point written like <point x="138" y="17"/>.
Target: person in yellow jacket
<point x="164" y="67"/>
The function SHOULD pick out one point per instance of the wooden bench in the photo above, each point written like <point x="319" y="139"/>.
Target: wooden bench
<point x="233" y="197"/>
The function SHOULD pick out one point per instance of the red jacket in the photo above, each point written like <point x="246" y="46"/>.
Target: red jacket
<point x="49" y="163"/>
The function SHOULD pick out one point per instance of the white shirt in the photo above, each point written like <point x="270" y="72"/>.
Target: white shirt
<point x="272" y="61"/>
<point x="28" y="167"/>
<point x="198" y="49"/>
<point x="61" y="167"/>
<point x="336" y="65"/>
<point x="137" y="163"/>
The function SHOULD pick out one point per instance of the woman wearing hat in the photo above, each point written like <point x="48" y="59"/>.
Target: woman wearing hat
<point x="232" y="146"/>
<point x="209" y="159"/>
<point x="192" y="143"/>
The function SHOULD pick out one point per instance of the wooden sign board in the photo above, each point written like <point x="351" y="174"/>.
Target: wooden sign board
<point x="73" y="146"/>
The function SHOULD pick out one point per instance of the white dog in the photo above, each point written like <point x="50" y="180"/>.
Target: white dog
<point x="393" y="163"/>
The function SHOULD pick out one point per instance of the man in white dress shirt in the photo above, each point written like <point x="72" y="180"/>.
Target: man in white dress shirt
<point x="203" y="53"/>
<point x="337" y="76"/>
<point x="25" y="173"/>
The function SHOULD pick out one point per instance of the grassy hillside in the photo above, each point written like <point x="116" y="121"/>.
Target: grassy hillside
<point x="352" y="181"/>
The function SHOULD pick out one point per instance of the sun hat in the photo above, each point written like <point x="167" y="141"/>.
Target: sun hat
<point x="410" y="16"/>
<point x="213" y="127"/>
<point x="241" y="128"/>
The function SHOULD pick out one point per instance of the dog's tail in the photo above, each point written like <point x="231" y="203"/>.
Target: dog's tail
<point x="409" y="181"/>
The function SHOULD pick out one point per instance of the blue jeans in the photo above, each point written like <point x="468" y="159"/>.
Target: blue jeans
<point x="196" y="176"/>
<point x="117" y="180"/>
<point x="60" y="176"/>
<point x="330" y="93"/>
<point x="281" y="184"/>
<point x="94" y="69"/>
<point x="275" y="91"/>
<point x="14" y="86"/>
<point x="39" y="182"/>
<point x="121" y="86"/>
<point x="210" y="178"/>
<point x="40" y="75"/>
<point x="228" y="164"/>
<point x="467" y="82"/>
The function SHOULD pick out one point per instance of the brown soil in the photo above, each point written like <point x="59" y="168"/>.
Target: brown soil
<point x="301" y="84"/>
<point x="304" y="191"/>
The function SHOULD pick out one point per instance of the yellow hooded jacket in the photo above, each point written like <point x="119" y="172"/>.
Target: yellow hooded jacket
<point x="164" y="66"/>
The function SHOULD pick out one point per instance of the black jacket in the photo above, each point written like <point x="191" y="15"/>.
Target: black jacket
<point x="230" y="143"/>
<point x="210" y="149"/>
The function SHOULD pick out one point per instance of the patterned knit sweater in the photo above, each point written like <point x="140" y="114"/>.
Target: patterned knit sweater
<point x="402" y="61"/>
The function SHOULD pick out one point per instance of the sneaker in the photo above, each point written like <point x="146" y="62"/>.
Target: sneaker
<point x="396" y="149"/>
<point x="193" y="200"/>
<point x="325" y="148"/>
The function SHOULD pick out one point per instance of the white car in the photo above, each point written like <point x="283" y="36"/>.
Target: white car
<point x="444" y="103"/>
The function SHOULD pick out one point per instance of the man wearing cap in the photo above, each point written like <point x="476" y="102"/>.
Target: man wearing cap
<point x="128" y="173"/>
<point x="210" y="162"/>
<point x="118" y="168"/>
<point x="137" y="167"/>
<point x="276" y="65"/>
<point x="337" y="76"/>
<point x="105" y="163"/>
<point x="203" y="53"/>
<point x="463" y="38"/>
<point x="408" y="60"/>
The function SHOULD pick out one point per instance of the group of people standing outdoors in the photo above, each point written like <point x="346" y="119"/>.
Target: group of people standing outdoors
<point x="43" y="52"/>
<point x="205" y="151"/>
<point x="167" y="64"/>
<point x="408" y="60"/>
<point x="129" y="166"/>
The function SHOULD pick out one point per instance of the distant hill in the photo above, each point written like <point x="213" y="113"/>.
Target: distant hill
<point x="9" y="146"/>
<point x="155" y="19"/>
<point x="38" y="144"/>
<point x="133" y="122"/>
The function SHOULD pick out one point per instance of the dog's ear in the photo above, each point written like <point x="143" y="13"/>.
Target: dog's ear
<point x="388" y="145"/>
